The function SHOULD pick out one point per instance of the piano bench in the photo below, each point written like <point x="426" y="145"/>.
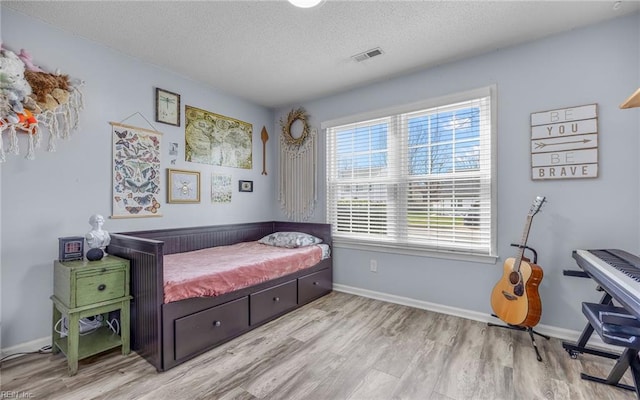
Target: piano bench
<point x="614" y="324"/>
<point x="617" y="327"/>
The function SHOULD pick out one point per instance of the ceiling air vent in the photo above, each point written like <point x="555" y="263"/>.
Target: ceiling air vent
<point x="367" y="54"/>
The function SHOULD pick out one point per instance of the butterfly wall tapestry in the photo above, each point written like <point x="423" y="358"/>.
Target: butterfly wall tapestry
<point x="136" y="172"/>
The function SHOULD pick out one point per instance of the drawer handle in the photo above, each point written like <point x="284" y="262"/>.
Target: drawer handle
<point x="316" y="283"/>
<point x="217" y="323"/>
<point x="276" y="299"/>
<point x="102" y="287"/>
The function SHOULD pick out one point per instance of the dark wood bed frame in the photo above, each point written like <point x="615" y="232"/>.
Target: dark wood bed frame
<point x="169" y="334"/>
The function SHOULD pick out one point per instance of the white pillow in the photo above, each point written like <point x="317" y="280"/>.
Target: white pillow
<point x="290" y="240"/>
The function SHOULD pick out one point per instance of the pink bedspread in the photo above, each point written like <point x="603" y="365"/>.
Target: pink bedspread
<point x="219" y="270"/>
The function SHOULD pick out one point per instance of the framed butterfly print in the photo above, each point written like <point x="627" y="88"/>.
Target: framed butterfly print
<point x="136" y="172"/>
<point x="183" y="186"/>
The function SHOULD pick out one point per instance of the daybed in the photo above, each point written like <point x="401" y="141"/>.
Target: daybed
<point x="169" y="333"/>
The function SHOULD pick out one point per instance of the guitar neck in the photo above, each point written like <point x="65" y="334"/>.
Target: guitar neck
<point x="523" y="243"/>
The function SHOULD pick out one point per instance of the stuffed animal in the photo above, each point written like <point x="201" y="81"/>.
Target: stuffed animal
<point x="49" y="90"/>
<point x="5" y="107"/>
<point x="61" y="96"/>
<point x="27" y="122"/>
<point x="12" y="83"/>
<point x="6" y="99"/>
<point x="28" y="61"/>
<point x="12" y="100"/>
<point x="30" y="104"/>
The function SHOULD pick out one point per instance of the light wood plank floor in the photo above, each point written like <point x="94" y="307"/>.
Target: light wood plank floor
<point x="338" y="347"/>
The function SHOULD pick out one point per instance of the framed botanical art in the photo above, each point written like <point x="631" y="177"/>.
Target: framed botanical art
<point x="183" y="186"/>
<point x="167" y="107"/>
<point x="221" y="188"/>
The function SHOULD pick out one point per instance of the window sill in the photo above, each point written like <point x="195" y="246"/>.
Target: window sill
<point x="409" y="251"/>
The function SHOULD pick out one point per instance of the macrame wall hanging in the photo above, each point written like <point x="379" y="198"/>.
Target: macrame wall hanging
<point x="297" y="167"/>
<point x="32" y="99"/>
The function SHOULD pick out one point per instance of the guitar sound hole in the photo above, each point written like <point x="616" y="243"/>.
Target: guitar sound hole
<point x="518" y="289"/>
<point x="514" y="278"/>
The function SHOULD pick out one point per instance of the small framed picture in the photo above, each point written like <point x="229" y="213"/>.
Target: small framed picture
<point x="184" y="186"/>
<point x="246" y="186"/>
<point x="70" y="248"/>
<point x="167" y="107"/>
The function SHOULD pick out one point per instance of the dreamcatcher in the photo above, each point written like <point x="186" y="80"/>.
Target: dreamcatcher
<point x="297" y="167"/>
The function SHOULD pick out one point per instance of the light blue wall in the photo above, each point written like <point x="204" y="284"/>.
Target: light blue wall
<point x="598" y="64"/>
<point x="55" y="194"/>
<point x="0" y="229"/>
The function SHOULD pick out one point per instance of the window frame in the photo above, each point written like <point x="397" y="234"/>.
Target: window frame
<point x="424" y="250"/>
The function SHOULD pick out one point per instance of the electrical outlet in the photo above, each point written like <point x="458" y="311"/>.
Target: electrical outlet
<point x="373" y="266"/>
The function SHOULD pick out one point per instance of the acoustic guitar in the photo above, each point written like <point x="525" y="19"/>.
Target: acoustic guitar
<point x="515" y="298"/>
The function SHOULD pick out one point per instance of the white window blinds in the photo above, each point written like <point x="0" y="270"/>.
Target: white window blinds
<point x="417" y="179"/>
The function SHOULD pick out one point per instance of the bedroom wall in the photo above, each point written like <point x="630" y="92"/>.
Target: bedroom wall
<point x="0" y="229"/>
<point x="637" y="110"/>
<point x="55" y="194"/>
<point x="597" y="64"/>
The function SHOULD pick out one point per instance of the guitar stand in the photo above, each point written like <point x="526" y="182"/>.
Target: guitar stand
<point x="535" y="253"/>
<point x="529" y="329"/>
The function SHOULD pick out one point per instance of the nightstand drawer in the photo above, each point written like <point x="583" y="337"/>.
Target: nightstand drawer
<point x="81" y="283"/>
<point x="94" y="288"/>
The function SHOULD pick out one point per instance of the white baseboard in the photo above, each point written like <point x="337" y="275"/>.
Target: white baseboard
<point x="556" y="332"/>
<point x="553" y="331"/>
<point x="27" y="347"/>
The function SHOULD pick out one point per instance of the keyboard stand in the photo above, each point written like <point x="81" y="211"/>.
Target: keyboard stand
<point x="581" y="346"/>
<point x="619" y="328"/>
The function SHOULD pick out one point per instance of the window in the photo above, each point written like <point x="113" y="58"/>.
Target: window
<point x="416" y="178"/>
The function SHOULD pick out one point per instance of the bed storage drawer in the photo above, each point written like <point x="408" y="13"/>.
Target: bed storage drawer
<point x="208" y="327"/>
<point x="314" y="285"/>
<point x="273" y="301"/>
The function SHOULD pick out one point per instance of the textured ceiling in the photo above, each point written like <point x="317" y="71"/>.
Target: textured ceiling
<point x="274" y="54"/>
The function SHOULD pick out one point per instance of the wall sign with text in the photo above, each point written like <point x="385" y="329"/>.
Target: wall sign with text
<point x="564" y="143"/>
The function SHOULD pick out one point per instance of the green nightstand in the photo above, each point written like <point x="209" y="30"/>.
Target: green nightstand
<point x="83" y="289"/>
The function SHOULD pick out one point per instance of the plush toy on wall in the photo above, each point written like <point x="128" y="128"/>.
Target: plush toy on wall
<point x="29" y="97"/>
<point x="5" y="106"/>
<point x="13" y="85"/>
<point x="49" y="90"/>
<point x="28" y="61"/>
<point x="14" y="89"/>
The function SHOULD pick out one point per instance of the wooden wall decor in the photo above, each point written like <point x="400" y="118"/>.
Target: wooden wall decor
<point x="632" y="101"/>
<point x="564" y="143"/>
